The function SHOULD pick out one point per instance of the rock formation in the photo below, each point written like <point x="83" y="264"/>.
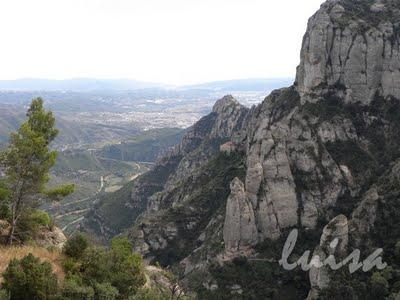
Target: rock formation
<point x="239" y="227"/>
<point x="337" y="229"/>
<point x="318" y="149"/>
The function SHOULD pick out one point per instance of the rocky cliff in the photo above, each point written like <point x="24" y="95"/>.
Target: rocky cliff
<point x="324" y="149"/>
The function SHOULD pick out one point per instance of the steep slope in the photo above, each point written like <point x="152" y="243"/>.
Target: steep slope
<point x="147" y="146"/>
<point x="156" y="190"/>
<point x="323" y="151"/>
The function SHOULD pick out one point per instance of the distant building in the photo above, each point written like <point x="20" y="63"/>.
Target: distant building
<point x="227" y="148"/>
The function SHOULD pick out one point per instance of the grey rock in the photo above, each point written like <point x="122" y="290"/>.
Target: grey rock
<point x="337" y="228"/>
<point x="360" y="57"/>
<point x="239" y="227"/>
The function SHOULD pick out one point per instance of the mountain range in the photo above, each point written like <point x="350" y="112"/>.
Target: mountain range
<point x="93" y="84"/>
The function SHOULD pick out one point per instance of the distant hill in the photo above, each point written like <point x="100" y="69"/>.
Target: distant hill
<point x="144" y="147"/>
<point x="258" y="84"/>
<point x="92" y="84"/>
<point x="76" y="84"/>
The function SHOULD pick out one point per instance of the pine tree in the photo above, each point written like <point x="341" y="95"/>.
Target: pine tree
<point x="27" y="162"/>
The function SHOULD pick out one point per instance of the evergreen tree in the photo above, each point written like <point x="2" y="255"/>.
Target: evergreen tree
<point x="27" y="162"/>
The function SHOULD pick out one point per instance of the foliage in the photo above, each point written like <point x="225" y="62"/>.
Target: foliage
<point x="257" y="280"/>
<point x="74" y="289"/>
<point x="30" y="222"/>
<point x="76" y="246"/>
<point x="207" y="196"/>
<point x="122" y="246"/>
<point x="105" y="291"/>
<point x="60" y="192"/>
<point x="41" y="217"/>
<point x="144" y="147"/>
<point x="112" y="273"/>
<point x="28" y="160"/>
<point x="148" y="294"/>
<point x="5" y="194"/>
<point x="379" y="285"/>
<point x="29" y="279"/>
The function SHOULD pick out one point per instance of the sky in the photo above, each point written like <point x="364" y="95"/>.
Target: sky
<point x="166" y="41"/>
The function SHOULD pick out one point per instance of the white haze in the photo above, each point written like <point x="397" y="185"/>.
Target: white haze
<point x="169" y="41"/>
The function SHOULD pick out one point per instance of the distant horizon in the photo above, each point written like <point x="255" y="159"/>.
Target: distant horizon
<point x="32" y="80"/>
<point x="175" y="42"/>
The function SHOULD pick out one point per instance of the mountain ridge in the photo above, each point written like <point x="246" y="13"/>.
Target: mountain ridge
<point x="320" y="156"/>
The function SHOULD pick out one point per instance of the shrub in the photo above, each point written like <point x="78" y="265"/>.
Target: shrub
<point x="73" y="289"/>
<point x="95" y="266"/>
<point x="379" y="286"/>
<point x="105" y="291"/>
<point x="76" y="246"/>
<point x="28" y="279"/>
<point x="30" y="223"/>
<point x="118" y="267"/>
<point x="70" y="266"/>
<point x="121" y="245"/>
<point x="41" y="217"/>
<point x="127" y="274"/>
<point x="148" y="294"/>
<point x="5" y="213"/>
<point x="4" y="295"/>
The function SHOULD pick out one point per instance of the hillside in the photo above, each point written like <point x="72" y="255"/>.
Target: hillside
<point x="145" y="147"/>
<point x="321" y="156"/>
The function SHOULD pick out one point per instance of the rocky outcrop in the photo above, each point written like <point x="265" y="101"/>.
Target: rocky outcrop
<point x="364" y="216"/>
<point x="297" y="138"/>
<point x="239" y="227"/>
<point x="203" y="139"/>
<point x="291" y="178"/>
<point x="334" y="241"/>
<point x="53" y="237"/>
<point x="45" y="236"/>
<point x="352" y="46"/>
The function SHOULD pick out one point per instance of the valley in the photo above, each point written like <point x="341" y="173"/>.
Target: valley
<point x="110" y="137"/>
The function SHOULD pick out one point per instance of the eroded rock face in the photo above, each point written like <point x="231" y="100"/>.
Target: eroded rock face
<point x="239" y="227"/>
<point x="295" y="173"/>
<point x="291" y="179"/>
<point x="358" y="55"/>
<point x="364" y="216"/>
<point x="337" y="229"/>
<point x="202" y="141"/>
<point x="53" y="237"/>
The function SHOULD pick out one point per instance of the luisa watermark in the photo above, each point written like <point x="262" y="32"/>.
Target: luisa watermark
<point x="352" y="260"/>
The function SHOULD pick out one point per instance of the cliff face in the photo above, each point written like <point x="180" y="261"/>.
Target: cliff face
<point x="311" y="146"/>
<point x="323" y="148"/>
<point x="354" y="45"/>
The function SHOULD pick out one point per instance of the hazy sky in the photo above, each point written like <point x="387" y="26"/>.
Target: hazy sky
<point x="170" y="41"/>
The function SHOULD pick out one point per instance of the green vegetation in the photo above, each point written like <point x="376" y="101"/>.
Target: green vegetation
<point x="92" y="273"/>
<point x="284" y="101"/>
<point x="208" y="194"/>
<point x="378" y="124"/>
<point x="356" y="10"/>
<point x="28" y="278"/>
<point x="255" y="280"/>
<point x="27" y="162"/>
<point x="76" y="246"/>
<point x="112" y="205"/>
<point x="144" y="147"/>
<point x="114" y="273"/>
